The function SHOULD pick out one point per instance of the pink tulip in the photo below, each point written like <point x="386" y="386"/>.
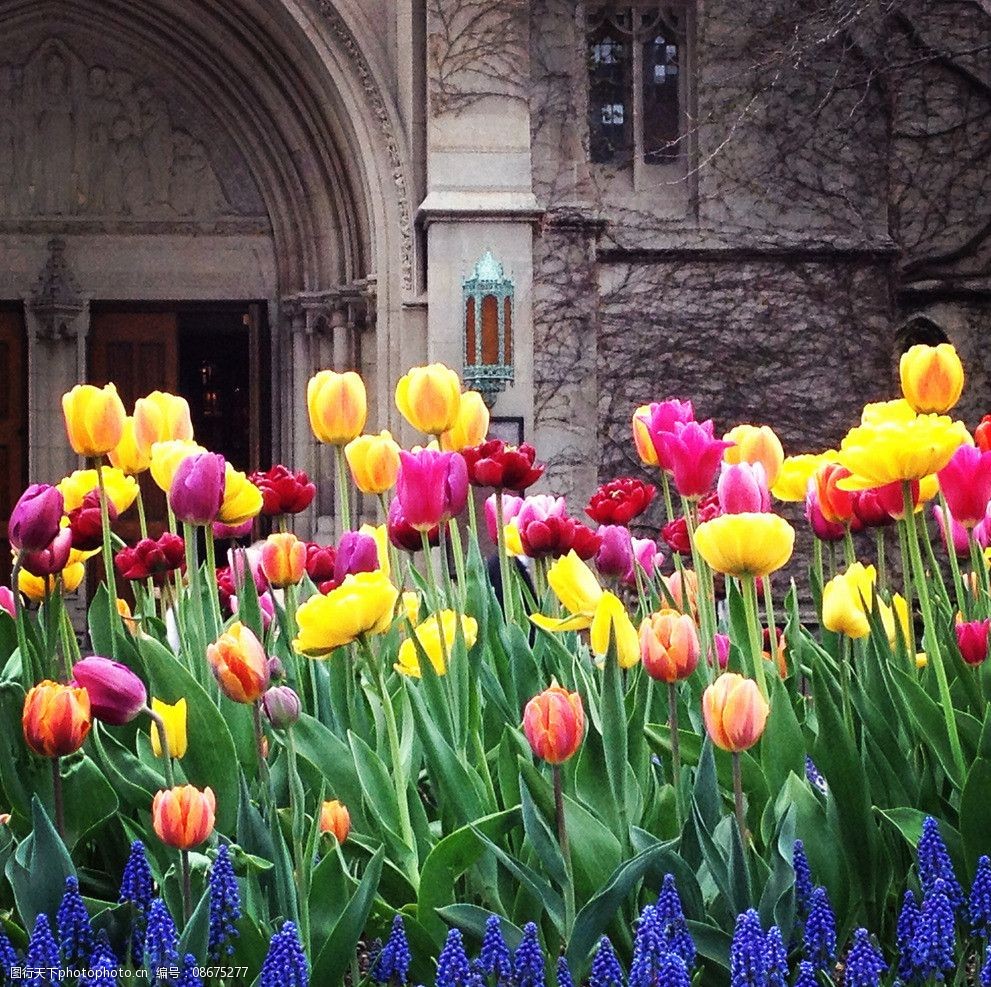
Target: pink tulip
<point x="197" y="489"/>
<point x="52" y="559"/>
<point x="116" y="694"/>
<point x="432" y="486"/>
<point x="245" y="562"/>
<point x="720" y="644"/>
<point x="966" y="484"/>
<point x="357" y="552"/>
<point x="511" y="505"/>
<point x="661" y="419"/>
<point x="742" y="489"/>
<point x="694" y="456"/>
<point x="647" y="555"/>
<point x="961" y="543"/>
<point x="615" y="554"/>
<point x="7" y="601"/>
<point x="36" y="518"/>
<point x="266" y="605"/>
<point x="972" y="639"/>
<point x="821" y="528"/>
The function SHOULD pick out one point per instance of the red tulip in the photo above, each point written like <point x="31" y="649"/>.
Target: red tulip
<point x="152" y="558"/>
<point x="403" y="535"/>
<point x="86" y="523"/>
<point x="620" y="501"/>
<point x="283" y="492"/>
<point x="972" y="639"/>
<point x="495" y="464"/>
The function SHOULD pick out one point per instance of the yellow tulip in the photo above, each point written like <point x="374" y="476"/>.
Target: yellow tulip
<point x="161" y="417"/>
<point x="338" y="406"/>
<point x="94" y="419"/>
<point x="641" y="437"/>
<point x="374" y="462"/>
<point x="174" y="717"/>
<point x="242" y="499"/>
<point x="897" y="412"/>
<point x="33" y="587"/>
<point x="362" y="604"/>
<point x="611" y="618"/>
<point x="166" y="457"/>
<point x="792" y="483"/>
<point x="126" y="456"/>
<point x="877" y="455"/>
<point x="847" y="600"/>
<point x="746" y="544"/>
<point x="381" y="535"/>
<point x="429" y="635"/>
<point x="122" y="490"/>
<point x="411" y="606"/>
<point x="895" y="619"/>
<point x="429" y="398"/>
<point x="756" y="444"/>
<point x="514" y="543"/>
<point x="932" y="377"/>
<point x="579" y="591"/>
<point x="471" y="426"/>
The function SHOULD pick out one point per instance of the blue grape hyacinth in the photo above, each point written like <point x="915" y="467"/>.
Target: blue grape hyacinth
<point x="819" y="940"/>
<point x="161" y="948"/>
<point x="748" y="952"/>
<point x="606" y="971"/>
<point x="934" y="946"/>
<point x="285" y="962"/>
<point x="979" y="902"/>
<point x="42" y="952"/>
<point x="671" y="925"/>
<point x="453" y="968"/>
<point x="225" y="906"/>
<point x="905" y="933"/>
<point x="137" y="888"/>
<point x="494" y="959"/>
<point x="803" y="879"/>
<point x="935" y="864"/>
<point x="864" y="963"/>
<point x="74" y="930"/>
<point x="528" y="960"/>
<point x="776" y="958"/>
<point x="392" y="964"/>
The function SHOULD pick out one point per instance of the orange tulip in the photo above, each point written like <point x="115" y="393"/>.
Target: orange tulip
<point x="184" y="816"/>
<point x="836" y="504"/>
<point x="683" y="585"/>
<point x="161" y="417"/>
<point x="239" y="664"/>
<point x="669" y="645"/>
<point x="338" y="406"/>
<point x="735" y="712"/>
<point x="335" y="818"/>
<point x="56" y="718"/>
<point x="932" y="378"/>
<point x="94" y="419"/>
<point x="283" y="559"/>
<point x="554" y="724"/>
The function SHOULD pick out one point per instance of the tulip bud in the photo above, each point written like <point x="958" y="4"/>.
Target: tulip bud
<point x="239" y="664"/>
<point x="615" y="554"/>
<point x="966" y="484"/>
<point x="86" y="522"/>
<point x="972" y="639"/>
<point x="432" y="487"/>
<point x="335" y="818"/>
<point x="982" y="434"/>
<point x="197" y="489"/>
<point x="742" y="489"/>
<point x="471" y="425"/>
<point x="495" y="464"/>
<point x="647" y="556"/>
<point x="554" y="724"/>
<point x="56" y="718"/>
<point x="281" y="706"/>
<point x="174" y="718"/>
<point x="511" y="506"/>
<point x="36" y="518"/>
<point x="735" y="712"/>
<point x="184" y="816"/>
<point x="669" y="646"/>
<point x="374" y="462"/>
<point x="932" y="378"/>
<point x="683" y="587"/>
<point x="337" y="405"/>
<point x="823" y="530"/>
<point x="94" y="419"/>
<point x="116" y="694"/>
<point x="429" y="398"/>
<point x="283" y="559"/>
<point x="720" y="644"/>
<point x="958" y="533"/>
<point x="52" y="559"/>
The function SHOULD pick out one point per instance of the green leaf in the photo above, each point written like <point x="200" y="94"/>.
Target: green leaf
<point x="974" y="813"/>
<point x="782" y="748"/>
<point x="375" y="783"/>
<point x="197" y="931"/>
<point x="472" y="919"/>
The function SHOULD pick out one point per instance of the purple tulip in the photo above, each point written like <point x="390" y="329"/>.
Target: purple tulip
<point x="357" y="552"/>
<point x="197" y="489"/>
<point x="116" y="694"/>
<point x="432" y="486"/>
<point x="281" y="706"/>
<point x="742" y="489"/>
<point x="36" y="518"/>
<point x="615" y="555"/>
<point x="50" y="560"/>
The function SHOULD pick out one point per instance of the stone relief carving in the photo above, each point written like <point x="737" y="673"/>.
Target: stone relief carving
<point x="88" y="140"/>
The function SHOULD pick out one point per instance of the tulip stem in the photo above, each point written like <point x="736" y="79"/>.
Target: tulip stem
<point x="980" y="573"/>
<point x="772" y="630"/>
<point x="187" y="887"/>
<point x="753" y="631"/>
<point x="108" y="561"/>
<point x="508" y="608"/>
<point x="143" y="526"/>
<point x="457" y="550"/>
<point x="882" y="562"/>
<point x="741" y="816"/>
<point x="906" y="561"/>
<point x="705" y="594"/>
<point x="565" y="844"/>
<point x="675" y="749"/>
<point x="59" y="800"/>
<point x="193" y="571"/>
<point x="845" y="685"/>
<point x="397" y="572"/>
<point x="297" y="809"/>
<point x="343" y="491"/>
<point x="445" y="568"/>
<point x="817" y="564"/>
<point x="211" y="568"/>
<point x="930" y="640"/>
<point x="163" y="740"/>
<point x="256" y="717"/>
<point x="849" y="552"/>
<point x="428" y="560"/>
<point x="28" y="676"/>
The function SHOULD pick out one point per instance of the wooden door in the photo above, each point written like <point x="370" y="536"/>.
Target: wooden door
<point x="138" y="352"/>
<point x="13" y="425"/>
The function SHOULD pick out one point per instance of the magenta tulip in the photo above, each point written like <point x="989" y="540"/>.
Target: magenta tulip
<point x="972" y="639"/>
<point x="966" y="484"/>
<point x="197" y="489"/>
<point x="233" y="532"/>
<point x="720" y="644"/>
<point x="432" y="486"/>
<point x="7" y="601"/>
<point x="238" y="558"/>
<point x="36" y="518"/>
<point x="357" y="552"/>
<point x="52" y="559"/>
<point x="694" y="455"/>
<point x="742" y="489"/>
<point x="660" y="419"/>
<point x="116" y="694"/>
<point x="615" y="554"/>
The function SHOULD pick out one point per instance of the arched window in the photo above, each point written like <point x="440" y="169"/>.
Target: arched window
<point x="919" y="329"/>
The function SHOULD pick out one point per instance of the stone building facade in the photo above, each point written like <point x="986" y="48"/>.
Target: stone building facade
<point x="752" y="204"/>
